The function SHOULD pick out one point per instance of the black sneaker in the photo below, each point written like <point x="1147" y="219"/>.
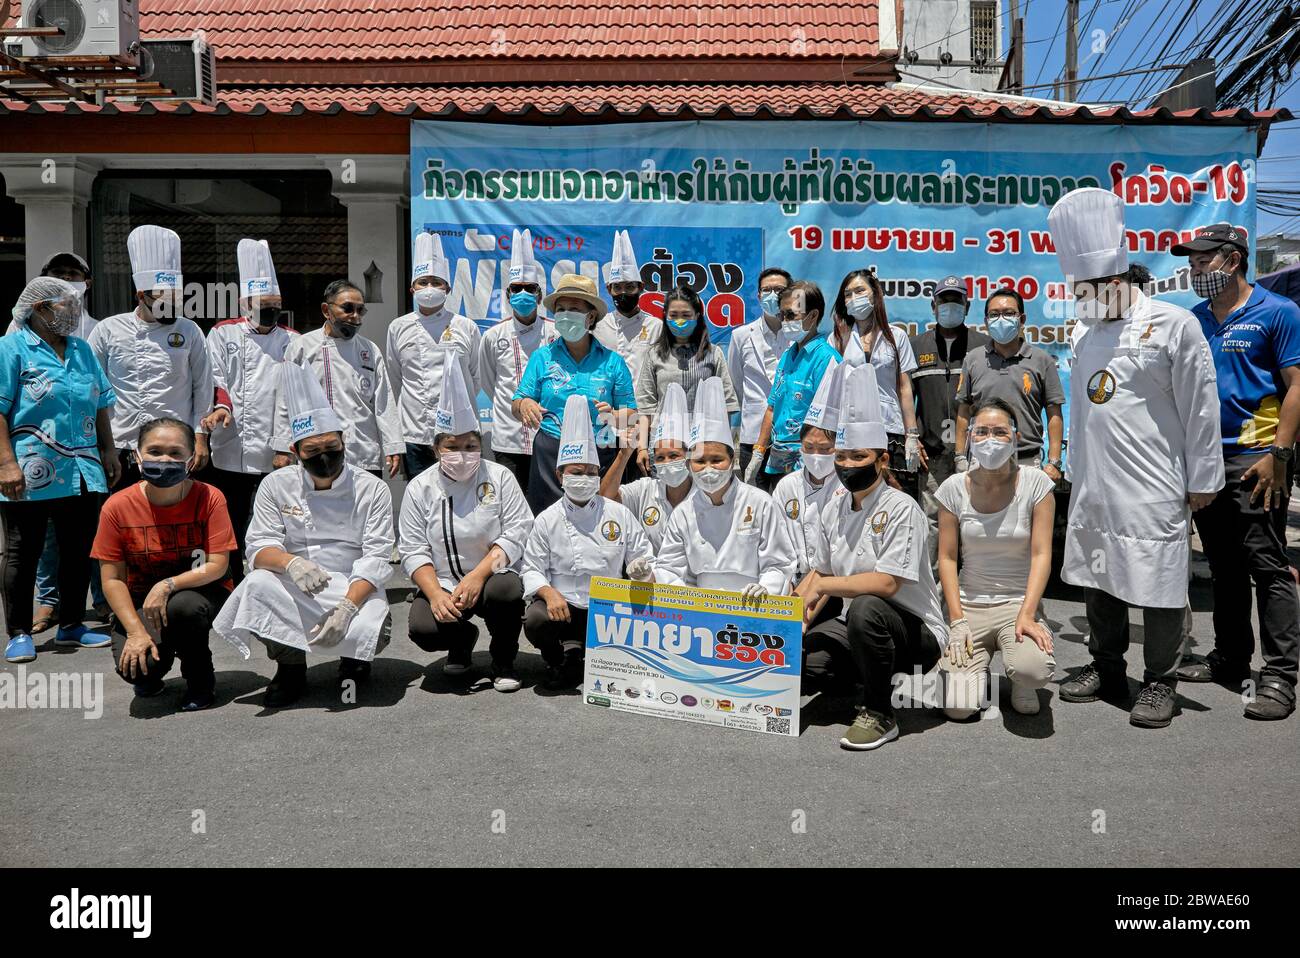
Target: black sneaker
<point x="573" y="667"/>
<point x="1093" y="683"/>
<point x="287" y="686"/>
<point x="1212" y="668"/>
<point x="1154" y="707"/>
<point x="197" y="699"/>
<point x="1274" y="701"/>
<point x="354" y="669"/>
<point x="147" y="688"/>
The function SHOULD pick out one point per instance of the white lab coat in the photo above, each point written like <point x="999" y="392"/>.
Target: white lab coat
<point x="417" y="347"/>
<point x="647" y="500"/>
<point x="502" y="358"/>
<point x="629" y="336"/>
<point x="155" y="369"/>
<point x="569" y="544"/>
<point x="1144" y="432"/>
<point x="347" y="530"/>
<point x="246" y="374"/>
<point x="355" y="380"/>
<point x="452" y="525"/>
<point x="752" y="356"/>
<point x="800" y="504"/>
<point x="730" y="546"/>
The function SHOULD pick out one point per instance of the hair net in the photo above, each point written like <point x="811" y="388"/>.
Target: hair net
<point x="43" y="289"/>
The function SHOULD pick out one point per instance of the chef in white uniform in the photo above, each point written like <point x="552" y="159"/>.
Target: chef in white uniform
<point x="873" y="554"/>
<point x="626" y="329"/>
<point x="461" y="535"/>
<point x="245" y="355"/>
<point x="581" y="535"/>
<point x="155" y="359"/>
<point x="505" y="351"/>
<point x="752" y="355"/>
<point x="726" y="535"/>
<point x="653" y="498"/>
<point x="1144" y="451"/>
<point x="318" y="549"/>
<point x="419" y="344"/>
<point x="354" y="376"/>
<point x="803" y="494"/>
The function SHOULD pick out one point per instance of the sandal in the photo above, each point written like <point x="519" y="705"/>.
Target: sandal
<point x="44" y="619"/>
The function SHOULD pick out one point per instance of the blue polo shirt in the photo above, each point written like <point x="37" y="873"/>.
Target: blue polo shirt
<point x="1250" y="349"/>
<point x="51" y="406"/>
<point x="553" y="375"/>
<point x="797" y="376"/>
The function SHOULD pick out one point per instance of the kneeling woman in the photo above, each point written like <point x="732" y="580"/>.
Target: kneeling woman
<point x="998" y="518"/>
<point x="164" y="547"/>
<point x="726" y="535"/>
<point x="872" y="553"/>
<point x="582" y="535"/>
<point x="461" y="534"/>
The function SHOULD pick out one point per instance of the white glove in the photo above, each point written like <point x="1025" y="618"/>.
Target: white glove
<point x="960" y="648"/>
<point x="755" y="463"/>
<point x="755" y="592"/>
<point x="333" y="626"/>
<point x="912" y="452"/>
<point x="307" y="575"/>
<point x="639" y="569"/>
<point x="963" y="463"/>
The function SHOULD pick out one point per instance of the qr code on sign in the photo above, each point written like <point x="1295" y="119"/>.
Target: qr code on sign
<point x="781" y="726"/>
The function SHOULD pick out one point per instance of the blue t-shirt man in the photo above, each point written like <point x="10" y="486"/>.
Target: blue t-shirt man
<point x="797" y="376"/>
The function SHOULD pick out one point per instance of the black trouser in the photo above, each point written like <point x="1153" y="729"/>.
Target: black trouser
<point x="501" y="607"/>
<point x="239" y="488"/>
<point x="75" y="519"/>
<point x="519" y="463"/>
<point x="130" y="469"/>
<point x="418" y="458"/>
<point x="189" y="620"/>
<point x="543" y="487"/>
<point x="746" y="454"/>
<point x="763" y="479"/>
<point x="1247" y="542"/>
<point x="1162" y="636"/>
<point x="553" y="639"/>
<point x="878" y="640"/>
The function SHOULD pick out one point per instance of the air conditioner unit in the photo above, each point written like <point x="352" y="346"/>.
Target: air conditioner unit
<point x="185" y="65"/>
<point x="91" y="28"/>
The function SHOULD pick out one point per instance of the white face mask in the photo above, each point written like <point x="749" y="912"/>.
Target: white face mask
<point x="713" y="480"/>
<point x="793" y="329"/>
<point x="459" y="466"/>
<point x="860" y="307"/>
<point x="992" y="453"/>
<point x="950" y="315"/>
<point x="430" y="297"/>
<point x="819" y="466"/>
<point x="580" y="489"/>
<point x="673" y="473"/>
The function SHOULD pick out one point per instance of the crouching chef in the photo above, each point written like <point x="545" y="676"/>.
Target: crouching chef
<point x="461" y="534"/>
<point x="581" y="535"/>
<point x="318" y="549"/>
<point x="726" y="535"/>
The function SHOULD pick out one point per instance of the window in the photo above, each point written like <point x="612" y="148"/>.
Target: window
<point x="984" y="36"/>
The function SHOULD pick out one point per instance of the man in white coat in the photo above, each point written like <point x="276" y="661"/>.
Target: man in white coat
<point x="420" y="343"/>
<point x="1144" y="452"/>
<point x="155" y="358"/>
<point x="504" y="354"/>
<point x="318" y="548"/>
<point x="627" y="330"/>
<point x="352" y="372"/>
<point x="245" y="354"/>
<point x="752" y="355"/>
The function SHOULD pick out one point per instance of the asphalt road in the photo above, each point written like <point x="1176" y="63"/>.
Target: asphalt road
<point x="424" y="771"/>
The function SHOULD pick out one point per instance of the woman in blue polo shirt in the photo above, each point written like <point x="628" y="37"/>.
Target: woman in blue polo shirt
<point x="55" y="444"/>
<point x="574" y="364"/>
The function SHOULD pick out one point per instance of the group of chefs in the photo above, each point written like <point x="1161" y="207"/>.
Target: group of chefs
<point x="249" y="470"/>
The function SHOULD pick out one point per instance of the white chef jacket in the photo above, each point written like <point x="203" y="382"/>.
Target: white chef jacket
<point x="355" y="380"/>
<point x="155" y="369"/>
<point x="888" y="534"/>
<point x="629" y="336"/>
<point x="569" y="544"/>
<point x="730" y="546"/>
<point x="502" y="358"/>
<point x="346" y="529"/>
<point x="800" y="504"/>
<point x="647" y="500"/>
<point x="1144" y="432"/>
<point x="246" y="374"/>
<point x="452" y="525"/>
<point x="417" y="347"/>
<point x="752" y="356"/>
<point x="84" y="328"/>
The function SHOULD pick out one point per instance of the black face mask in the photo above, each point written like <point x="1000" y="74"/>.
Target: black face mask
<point x="324" y="465"/>
<point x="858" y="478"/>
<point x="627" y="303"/>
<point x="267" y="316"/>
<point x="346" y="330"/>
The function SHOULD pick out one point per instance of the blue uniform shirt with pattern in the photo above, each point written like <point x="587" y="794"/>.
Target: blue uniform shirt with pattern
<point x="797" y="376"/>
<point x="553" y="375"/>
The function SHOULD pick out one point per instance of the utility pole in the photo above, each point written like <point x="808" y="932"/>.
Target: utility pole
<point x="1072" y="51"/>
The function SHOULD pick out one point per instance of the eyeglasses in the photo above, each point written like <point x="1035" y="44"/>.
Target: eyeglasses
<point x="786" y="315"/>
<point x="1014" y="314"/>
<point x="991" y="432"/>
<point x="775" y="289"/>
<point x="349" y="309"/>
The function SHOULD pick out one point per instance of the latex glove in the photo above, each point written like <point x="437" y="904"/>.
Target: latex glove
<point x="307" y="575"/>
<point x="912" y="452"/>
<point x="639" y="569"/>
<point x="960" y="648"/>
<point x="963" y="463"/>
<point x="755" y="464"/>
<point x="755" y="592"/>
<point x="333" y="626"/>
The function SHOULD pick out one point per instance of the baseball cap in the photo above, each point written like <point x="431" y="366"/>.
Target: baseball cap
<point x="1210" y="238"/>
<point x="950" y="284"/>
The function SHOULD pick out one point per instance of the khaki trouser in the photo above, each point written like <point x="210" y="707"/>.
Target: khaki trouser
<point x="993" y="629"/>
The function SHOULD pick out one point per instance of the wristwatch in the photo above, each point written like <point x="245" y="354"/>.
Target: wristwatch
<point x="1056" y="464"/>
<point x="1281" y="453"/>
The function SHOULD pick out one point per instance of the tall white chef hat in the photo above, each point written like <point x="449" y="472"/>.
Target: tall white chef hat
<point x="861" y="424"/>
<point x="711" y="423"/>
<point x="1087" y="229"/>
<point x="155" y="253"/>
<point x="456" y="413"/>
<point x="824" y="412"/>
<point x="310" y="413"/>
<point x="577" y="438"/>
<point x="622" y="266"/>
<point x="523" y="265"/>
<point x="429" y="259"/>
<point x="854" y="354"/>
<point x="674" y="422"/>
<point x="256" y="270"/>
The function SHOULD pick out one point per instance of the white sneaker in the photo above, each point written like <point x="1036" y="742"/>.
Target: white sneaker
<point x="507" y="682"/>
<point x="1024" y="699"/>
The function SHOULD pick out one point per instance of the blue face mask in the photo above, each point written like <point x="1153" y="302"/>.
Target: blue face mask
<point x="683" y="330"/>
<point x="771" y="303"/>
<point x="1004" y="330"/>
<point x="523" y="303"/>
<point x="950" y="315"/>
<point x="571" y="325"/>
<point x="163" y="473"/>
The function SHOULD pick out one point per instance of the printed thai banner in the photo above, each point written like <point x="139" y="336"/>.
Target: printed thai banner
<point x="698" y="655"/>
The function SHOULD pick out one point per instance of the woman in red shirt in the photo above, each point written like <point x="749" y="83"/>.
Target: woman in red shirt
<point x="164" y="547"/>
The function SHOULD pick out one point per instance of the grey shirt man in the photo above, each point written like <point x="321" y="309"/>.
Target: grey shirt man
<point x="1027" y="381"/>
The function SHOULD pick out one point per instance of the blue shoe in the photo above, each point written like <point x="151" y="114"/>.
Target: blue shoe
<point x="21" y="648"/>
<point x="79" y="636"/>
